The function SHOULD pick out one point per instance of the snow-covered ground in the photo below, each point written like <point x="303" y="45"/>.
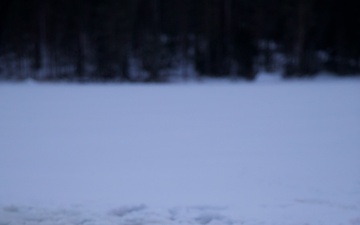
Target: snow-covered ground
<point x="270" y="152"/>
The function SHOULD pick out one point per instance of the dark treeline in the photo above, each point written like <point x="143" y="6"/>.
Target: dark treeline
<point x="154" y="40"/>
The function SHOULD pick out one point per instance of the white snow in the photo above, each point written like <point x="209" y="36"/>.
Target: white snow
<point x="270" y="152"/>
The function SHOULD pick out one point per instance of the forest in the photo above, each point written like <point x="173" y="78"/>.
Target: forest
<point x="161" y="40"/>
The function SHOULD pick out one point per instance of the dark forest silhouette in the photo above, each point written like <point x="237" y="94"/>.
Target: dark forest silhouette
<point x="112" y="40"/>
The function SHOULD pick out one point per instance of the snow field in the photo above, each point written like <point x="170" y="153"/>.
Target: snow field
<point x="213" y="153"/>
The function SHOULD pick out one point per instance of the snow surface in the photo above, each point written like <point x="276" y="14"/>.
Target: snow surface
<point x="270" y="152"/>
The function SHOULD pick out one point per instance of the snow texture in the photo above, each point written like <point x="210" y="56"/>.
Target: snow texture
<point x="270" y="152"/>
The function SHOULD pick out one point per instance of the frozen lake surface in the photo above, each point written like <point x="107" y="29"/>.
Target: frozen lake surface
<point x="210" y="153"/>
